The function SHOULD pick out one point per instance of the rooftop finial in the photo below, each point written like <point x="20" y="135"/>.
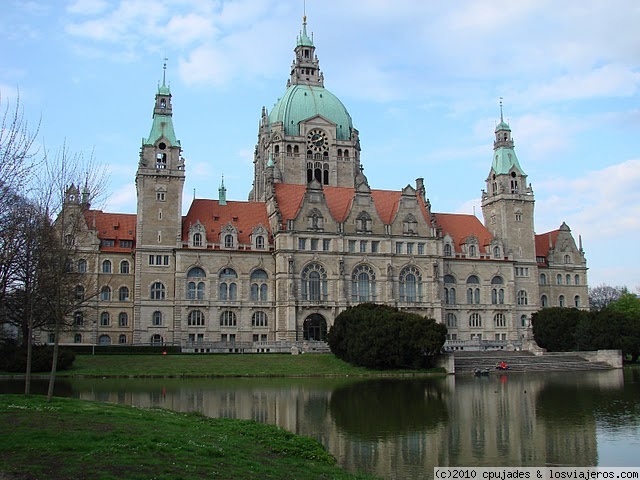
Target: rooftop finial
<point x="304" y="12"/>
<point x="164" y="72"/>
<point x="501" y="119"/>
<point x="222" y="193"/>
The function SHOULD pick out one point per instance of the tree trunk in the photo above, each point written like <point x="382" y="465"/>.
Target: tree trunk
<point x="27" y="374"/>
<point x="54" y="362"/>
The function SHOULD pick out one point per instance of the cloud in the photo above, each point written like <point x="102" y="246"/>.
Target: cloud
<point x="87" y="7"/>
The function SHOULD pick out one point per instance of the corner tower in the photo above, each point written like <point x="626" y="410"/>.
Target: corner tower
<point x="309" y="134"/>
<point x="508" y="202"/>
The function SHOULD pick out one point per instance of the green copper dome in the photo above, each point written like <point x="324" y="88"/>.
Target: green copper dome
<point x="502" y="126"/>
<point x="301" y="102"/>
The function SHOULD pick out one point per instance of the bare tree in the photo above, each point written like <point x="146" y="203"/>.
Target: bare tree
<point x="603" y="295"/>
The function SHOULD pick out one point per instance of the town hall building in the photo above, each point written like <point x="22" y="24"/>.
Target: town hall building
<point x="313" y="239"/>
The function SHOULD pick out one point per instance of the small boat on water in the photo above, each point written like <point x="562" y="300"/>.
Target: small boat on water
<point x="479" y="372"/>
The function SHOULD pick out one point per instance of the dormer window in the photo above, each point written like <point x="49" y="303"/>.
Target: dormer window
<point x="197" y="239"/>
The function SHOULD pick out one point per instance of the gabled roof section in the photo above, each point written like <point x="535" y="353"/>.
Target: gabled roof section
<point x="546" y="241"/>
<point x="460" y="226"/>
<point x="244" y="216"/>
<point x="112" y="226"/>
<point x="339" y="200"/>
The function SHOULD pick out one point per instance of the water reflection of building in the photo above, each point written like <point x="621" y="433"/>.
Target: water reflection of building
<point x="495" y="421"/>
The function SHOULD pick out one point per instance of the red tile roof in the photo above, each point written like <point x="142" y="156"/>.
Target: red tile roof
<point x="339" y="200"/>
<point x="460" y="226"/>
<point x="112" y="226"/>
<point x="242" y="215"/>
<point x="542" y="242"/>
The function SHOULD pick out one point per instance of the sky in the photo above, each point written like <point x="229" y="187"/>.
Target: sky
<point x="422" y="81"/>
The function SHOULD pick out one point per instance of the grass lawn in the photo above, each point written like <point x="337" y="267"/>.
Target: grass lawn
<point x="78" y="439"/>
<point x="223" y="365"/>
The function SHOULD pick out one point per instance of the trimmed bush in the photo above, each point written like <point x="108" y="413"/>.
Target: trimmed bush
<point x="14" y="359"/>
<point x="382" y="337"/>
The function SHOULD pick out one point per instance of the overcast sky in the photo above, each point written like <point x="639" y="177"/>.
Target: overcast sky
<point x="421" y="80"/>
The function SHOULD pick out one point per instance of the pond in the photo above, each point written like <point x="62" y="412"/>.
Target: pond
<point x="403" y="427"/>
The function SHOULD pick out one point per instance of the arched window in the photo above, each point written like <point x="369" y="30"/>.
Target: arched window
<point x="157" y="291"/>
<point x="576" y="301"/>
<point x="156" y="340"/>
<point x="123" y="294"/>
<point x="447" y="249"/>
<point x="568" y="279"/>
<point x="104" y="340"/>
<point x="105" y="319"/>
<point x="475" y="320"/>
<point x="543" y="279"/>
<point x="259" y="288"/>
<point x="106" y="266"/>
<point x="105" y="293"/>
<point x="228" y="289"/>
<point x="260" y="242"/>
<point x="576" y="279"/>
<point x="544" y="302"/>
<point x="567" y="259"/>
<point x="79" y="292"/>
<point x="452" y="320"/>
<point x="558" y="279"/>
<point x="561" y="301"/>
<point x="78" y="319"/>
<point x="259" y="319"/>
<point x="473" y="293"/>
<point x="228" y="241"/>
<point x="195" y="318"/>
<point x="497" y="293"/>
<point x="156" y="319"/>
<point x="473" y="251"/>
<point x="82" y="266"/>
<point x="496" y="252"/>
<point x="123" y="319"/>
<point x="196" y="272"/>
<point x="410" y="285"/>
<point x="228" y="319"/>
<point x="122" y="339"/>
<point x="524" y="321"/>
<point x="522" y="298"/>
<point x="313" y="285"/>
<point x="77" y="338"/>
<point x="197" y="239"/>
<point x="499" y="320"/>
<point x="449" y="291"/>
<point x="363" y="284"/>
<point x="124" y="266"/>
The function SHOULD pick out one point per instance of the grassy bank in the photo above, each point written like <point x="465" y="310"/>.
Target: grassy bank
<point x="78" y="439"/>
<point x="219" y="365"/>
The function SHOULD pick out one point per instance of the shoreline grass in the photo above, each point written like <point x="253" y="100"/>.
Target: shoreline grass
<point x="70" y="438"/>
<point x="221" y="365"/>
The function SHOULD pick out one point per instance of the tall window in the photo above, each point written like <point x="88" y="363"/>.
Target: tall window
<point x="449" y="290"/>
<point x="105" y="319"/>
<point x="106" y="266"/>
<point x="157" y="291"/>
<point x="313" y="285"/>
<point x="78" y="319"/>
<point x="105" y="293"/>
<point x="499" y="320"/>
<point x="558" y="279"/>
<point x="447" y="249"/>
<point x="123" y="319"/>
<point x="561" y="301"/>
<point x="410" y="285"/>
<point x="497" y="292"/>
<point x="195" y="318"/>
<point x="259" y="319"/>
<point x="197" y="239"/>
<point x="124" y="266"/>
<point x="544" y="302"/>
<point x="123" y="294"/>
<point x="522" y="298"/>
<point x="156" y="319"/>
<point x="260" y="242"/>
<point x="475" y="320"/>
<point x="576" y="301"/>
<point x="79" y="292"/>
<point x="228" y="319"/>
<point x="228" y="241"/>
<point x="228" y="289"/>
<point x="363" y="284"/>
<point x="543" y="279"/>
<point x="452" y="320"/>
<point x="259" y="288"/>
<point x="82" y="266"/>
<point x="576" y="279"/>
<point x="473" y="290"/>
<point x="195" y="286"/>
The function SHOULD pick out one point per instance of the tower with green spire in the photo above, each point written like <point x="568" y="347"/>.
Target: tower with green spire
<point x="159" y="184"/>
<point x="508" y="202"/>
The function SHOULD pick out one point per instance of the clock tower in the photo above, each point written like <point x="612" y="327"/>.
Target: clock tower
<point x="308" y="135"/>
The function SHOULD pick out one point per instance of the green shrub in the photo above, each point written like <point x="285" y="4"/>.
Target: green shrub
<point x="14" y="359"/>
<point x="383" y="337"/>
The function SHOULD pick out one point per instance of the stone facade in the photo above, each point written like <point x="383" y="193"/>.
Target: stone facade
<point x="313" y="239"/>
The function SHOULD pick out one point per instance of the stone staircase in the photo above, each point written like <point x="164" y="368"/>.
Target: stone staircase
<point x="467" y="362"/>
